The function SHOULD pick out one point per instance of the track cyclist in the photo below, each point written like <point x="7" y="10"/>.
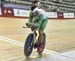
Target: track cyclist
<point x="38" y="18"/>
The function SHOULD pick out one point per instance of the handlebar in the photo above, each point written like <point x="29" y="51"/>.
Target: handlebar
<point x="33" y="28"/>
<point x="25" y="27"/>
<point x="29" y="27"/>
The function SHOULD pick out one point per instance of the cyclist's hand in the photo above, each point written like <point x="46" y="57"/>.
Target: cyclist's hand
<point x="32" y="28"/>
<point x="23" y="26"/>
<point x="27" y="24"/>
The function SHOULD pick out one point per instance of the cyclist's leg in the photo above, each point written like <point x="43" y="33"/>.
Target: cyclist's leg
<point x="44" y="24"/>
<point x="41" y="30"/>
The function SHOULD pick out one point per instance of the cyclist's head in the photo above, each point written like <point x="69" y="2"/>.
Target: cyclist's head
<point x="35" y="4"/>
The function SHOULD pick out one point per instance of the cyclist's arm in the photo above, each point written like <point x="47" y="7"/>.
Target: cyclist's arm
<point x="30" y="17"/>
<point x="29" y="23"/>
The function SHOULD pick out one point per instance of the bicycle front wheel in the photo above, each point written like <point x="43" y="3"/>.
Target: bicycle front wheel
<point x="28" y="47"/>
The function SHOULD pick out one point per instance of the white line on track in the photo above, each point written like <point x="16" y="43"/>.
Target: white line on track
<point x="16" y="42"/>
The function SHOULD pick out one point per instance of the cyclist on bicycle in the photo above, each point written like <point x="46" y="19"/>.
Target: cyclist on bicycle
<point x="39" y="19"/>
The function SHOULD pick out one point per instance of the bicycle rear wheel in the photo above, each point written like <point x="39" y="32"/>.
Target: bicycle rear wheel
<point x="44" y="42"/>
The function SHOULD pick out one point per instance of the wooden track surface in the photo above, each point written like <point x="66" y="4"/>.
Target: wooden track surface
<point x="60" y="37"/>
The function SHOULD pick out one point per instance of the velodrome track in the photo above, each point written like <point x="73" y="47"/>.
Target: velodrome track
<point x="60" y="38"/>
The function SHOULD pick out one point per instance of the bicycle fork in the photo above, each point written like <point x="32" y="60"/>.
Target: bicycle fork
<point x="35" y="40"/>
<point x="35" y="35"/>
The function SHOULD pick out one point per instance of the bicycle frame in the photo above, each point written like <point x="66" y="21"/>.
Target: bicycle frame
<point x="35" y="35"/>
<point x="32" y="41"/>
